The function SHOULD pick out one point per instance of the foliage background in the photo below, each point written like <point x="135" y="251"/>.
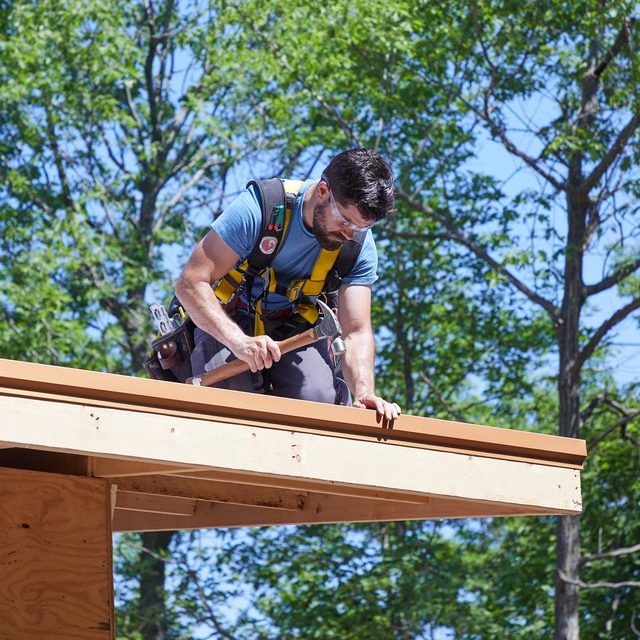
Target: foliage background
<point x="512" y="129"/>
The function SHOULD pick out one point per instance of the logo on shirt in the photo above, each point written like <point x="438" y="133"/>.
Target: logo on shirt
<point x="268" y="245"/>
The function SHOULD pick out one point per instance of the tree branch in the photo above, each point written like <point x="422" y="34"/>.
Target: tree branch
<point x="59" y="162"/>
<point x="587" y="412"/>
<point x="587" y="351"/>
<point x="429" y="237"/>
<point x="613" y="279"/>
<point x="601" y="398"/>
<point x="251" y="23"/>
<point x="179" y="195"/>
<point x="132" y="107"/>
<point x="207" y="605"/>
<point x="621" y="423"/>
<point x="593" y="224"/>
<point x="547" y="305"/>
<point x="500" y="133"/>
<point x="614" y="151"/>
<point x="440" y="398"/>
<point x="616" y="553"/>
<point x="148" y="73"/>
<point x="621" y="39"/>
<point x="597" y="585"/>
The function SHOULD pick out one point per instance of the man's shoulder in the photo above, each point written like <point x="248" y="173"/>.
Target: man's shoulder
<point x="240" y="222"/>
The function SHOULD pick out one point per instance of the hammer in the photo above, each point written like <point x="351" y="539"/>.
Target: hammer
<point x="328" y="327"/>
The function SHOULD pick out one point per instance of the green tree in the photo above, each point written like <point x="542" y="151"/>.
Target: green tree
<point x="119" y="123"/>
<point x="553" y="86"/>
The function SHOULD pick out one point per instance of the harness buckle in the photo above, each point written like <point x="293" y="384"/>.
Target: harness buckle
<point x="295" y="289"/>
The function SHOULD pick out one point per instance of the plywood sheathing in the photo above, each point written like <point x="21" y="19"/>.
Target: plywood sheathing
<point x="55" y="553"/>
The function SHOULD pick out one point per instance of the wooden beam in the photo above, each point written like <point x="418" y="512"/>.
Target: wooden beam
<point x="167" y="505"/>
<point x="103" y="431"/>
<point x="83" y="387"/>
<point x="55" y="553"/>
<point x="214" y="491"/>
<point x="318" y="509"/>
<point x="115" y="468"/>
<point x="299" y="484"/>
<point x="50" y="461"/>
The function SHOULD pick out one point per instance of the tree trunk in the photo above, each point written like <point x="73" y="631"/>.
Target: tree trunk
<point x="567" y="600"/>
<point x="154" y="618"/>
<point x="567" y="594"/>
<point x="567" y="597"/>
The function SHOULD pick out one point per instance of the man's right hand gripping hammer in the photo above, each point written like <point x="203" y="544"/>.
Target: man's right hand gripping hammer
<point x="328" y="327"/>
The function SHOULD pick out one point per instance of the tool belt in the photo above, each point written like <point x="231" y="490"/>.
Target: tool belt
<point x="278" y="324"/>
<point x="170" y="359"/>
<point x="171" y="354"/>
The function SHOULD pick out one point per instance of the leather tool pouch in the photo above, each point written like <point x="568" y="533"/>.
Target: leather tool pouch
<point x="171" y="357"/>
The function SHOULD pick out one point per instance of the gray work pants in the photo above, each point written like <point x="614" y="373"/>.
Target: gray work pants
<point x="306" y="373"/>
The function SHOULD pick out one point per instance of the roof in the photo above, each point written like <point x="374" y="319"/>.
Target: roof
<point x="181" y="457"/>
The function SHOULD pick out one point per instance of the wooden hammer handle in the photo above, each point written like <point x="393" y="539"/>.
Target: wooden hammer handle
<point x="239" y="366"/>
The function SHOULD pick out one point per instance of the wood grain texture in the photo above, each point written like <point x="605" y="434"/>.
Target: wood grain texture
<point x="113" y="468"/>
<point x="167" y="505"/>
<point x="167" y="439"/>
<point x="213" y="491"/>
<point x="318" y="509"/>
<point x="55" y="550"/>
<point x="75" y="385"/>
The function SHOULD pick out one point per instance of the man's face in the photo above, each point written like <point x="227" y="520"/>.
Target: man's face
<point x="327" y="233"/>
<point x="333" y="224"/>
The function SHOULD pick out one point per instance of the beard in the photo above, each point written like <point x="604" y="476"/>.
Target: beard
<point x="326" y="239"/>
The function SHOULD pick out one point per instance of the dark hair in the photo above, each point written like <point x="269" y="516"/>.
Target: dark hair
<point x="362" y="178"/>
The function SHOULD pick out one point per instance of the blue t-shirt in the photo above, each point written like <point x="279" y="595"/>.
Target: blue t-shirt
<point x="239" y="226"/>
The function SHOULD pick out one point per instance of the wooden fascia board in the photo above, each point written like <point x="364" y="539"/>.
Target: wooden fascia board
<point x="380" y="433"/>
<point x="76" y="385"/>
<point x="88" y="430"/>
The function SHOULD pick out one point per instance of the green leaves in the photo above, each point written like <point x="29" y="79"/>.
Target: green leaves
<point x="123" y="126"/>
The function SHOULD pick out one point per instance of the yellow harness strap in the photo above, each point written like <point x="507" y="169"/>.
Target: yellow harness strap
<point x="228" y="284"/>
<point x="312" y="286"/>
<point x="258" y="322"/>
<point x="309" y="287"/>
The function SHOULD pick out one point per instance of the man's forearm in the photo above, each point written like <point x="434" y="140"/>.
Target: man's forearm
<point x="357" y="366"/>
<point x="205" y="310"/>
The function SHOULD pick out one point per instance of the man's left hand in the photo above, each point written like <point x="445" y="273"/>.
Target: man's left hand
<point x="388" y="410"/>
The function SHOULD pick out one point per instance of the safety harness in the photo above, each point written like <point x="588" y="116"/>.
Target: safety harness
<point x="278" y="201"/>
<point x="171" y="350"/>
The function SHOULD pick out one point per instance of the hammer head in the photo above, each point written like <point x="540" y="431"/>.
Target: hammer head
<point x="329" y="326"/>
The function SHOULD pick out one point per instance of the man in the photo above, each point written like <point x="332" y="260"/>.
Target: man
<point x="355" y="191"/>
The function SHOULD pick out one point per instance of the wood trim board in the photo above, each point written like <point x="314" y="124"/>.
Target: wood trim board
<point x="177" y="456"/>
<point x="76" y="385"/>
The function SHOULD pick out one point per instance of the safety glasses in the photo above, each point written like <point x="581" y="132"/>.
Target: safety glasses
<point x="339" y="218"/>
